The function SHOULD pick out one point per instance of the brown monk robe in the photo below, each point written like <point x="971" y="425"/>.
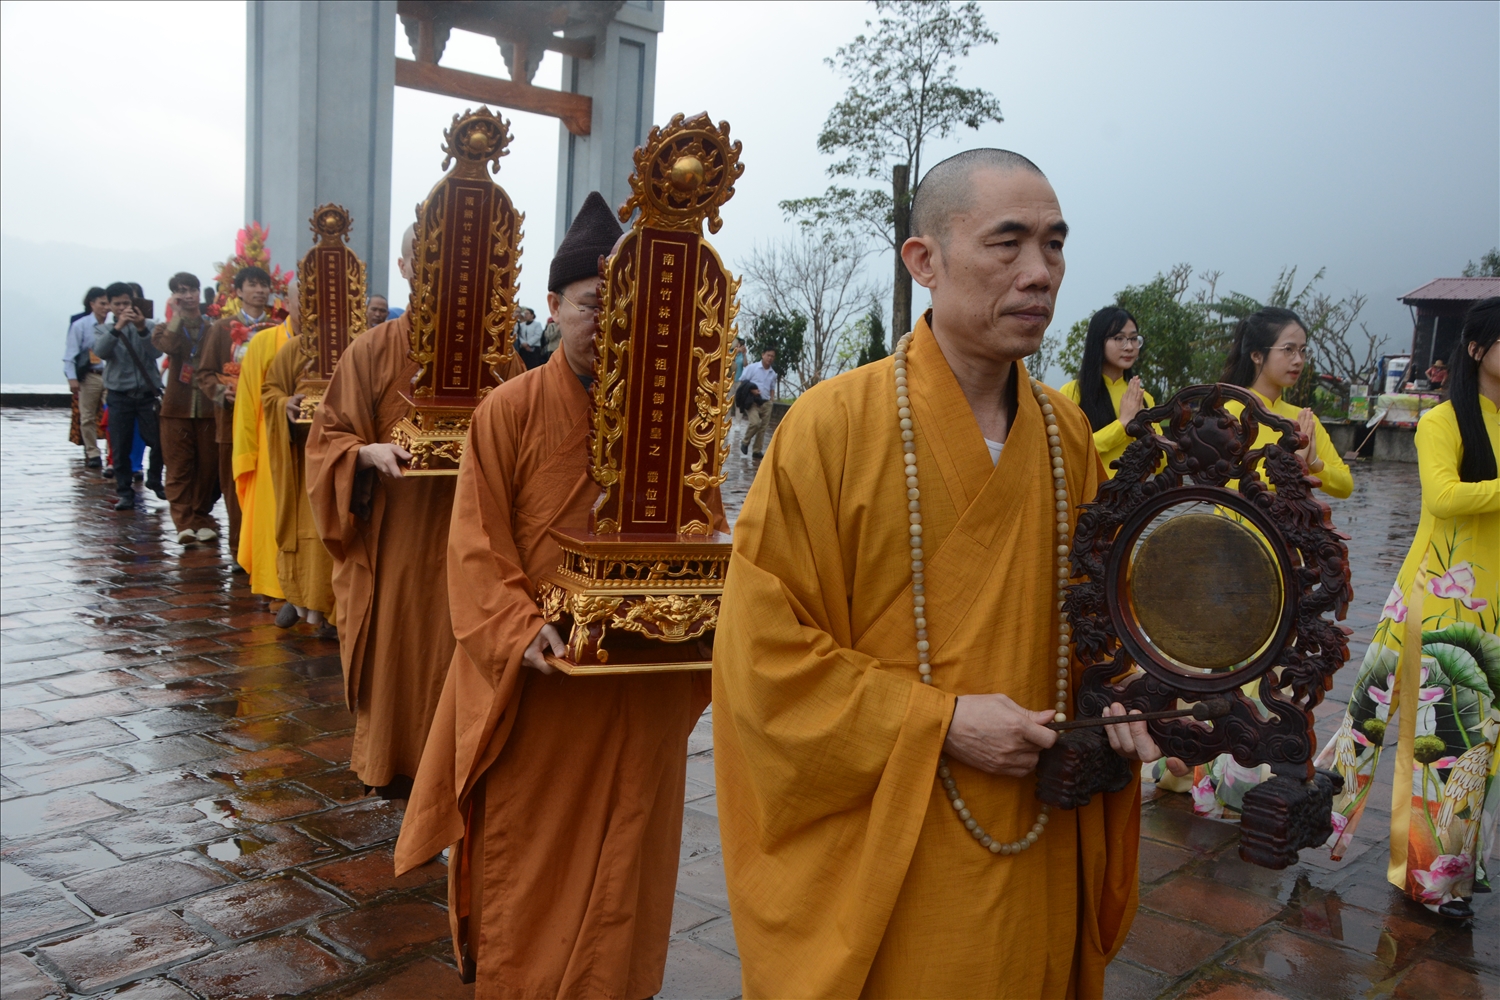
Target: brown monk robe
<point x="388" y="538"/>
<point x="303" y="566"/>
<point x="564" y="794"/>
<point x="217" y="376"/>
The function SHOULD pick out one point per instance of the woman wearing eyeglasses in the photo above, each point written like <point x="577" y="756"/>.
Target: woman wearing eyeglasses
<point x="1268" y="355"/>
<point x="1107" y="389"/>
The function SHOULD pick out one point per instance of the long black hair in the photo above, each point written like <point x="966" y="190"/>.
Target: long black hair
<point x="1481" y="327"/>
<point x="1256" y="334"/>
<point x="1093" y="395"/>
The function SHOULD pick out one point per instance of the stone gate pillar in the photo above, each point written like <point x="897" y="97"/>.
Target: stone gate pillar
<point x="621" y="79"/>
<point x="319" y="97"/>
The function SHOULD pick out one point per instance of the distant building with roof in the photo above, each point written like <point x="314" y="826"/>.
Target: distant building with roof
<point x="1438" y="309"/>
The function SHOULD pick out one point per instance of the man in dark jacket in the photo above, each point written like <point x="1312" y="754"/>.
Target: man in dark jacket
<point x="132" y="381"/>
<point x="188" y="424"/>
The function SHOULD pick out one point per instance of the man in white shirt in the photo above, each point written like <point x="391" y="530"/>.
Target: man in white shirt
<point x="762" y="379"/>
<point x="529" y="339"/>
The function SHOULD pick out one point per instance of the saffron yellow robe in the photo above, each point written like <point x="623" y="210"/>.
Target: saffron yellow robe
<point x="252" y="464"/>
<point x="848" y="872"/>
<point x="303" y="566"/>
<point x="1111" y="439"/>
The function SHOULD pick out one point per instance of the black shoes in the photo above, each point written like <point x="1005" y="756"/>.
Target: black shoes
<point x="287" y="616"/>
<point x="744" y="447"/>
<point x="126" y="502"/>
<point x="156" y="487"/>
<point x="93" y="463"/>
<point x="759" y="455"/>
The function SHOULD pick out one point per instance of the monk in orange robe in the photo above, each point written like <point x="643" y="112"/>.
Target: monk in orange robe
<point x="563" y="794"/>
<point x="388" y="536"/>
<point x="303" y="566"/>
<point x="882" y="615"/>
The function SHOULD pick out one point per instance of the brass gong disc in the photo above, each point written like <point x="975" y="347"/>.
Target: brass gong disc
<point x="1205" y="591"/>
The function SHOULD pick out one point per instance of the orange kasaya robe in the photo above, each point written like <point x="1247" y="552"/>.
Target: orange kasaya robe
<point x="563" y="794"/>
<point x="849" y="873"/>
<point x="254" y="483"/>
<point x="389" y="541"/>
<point x="303" y="566"/>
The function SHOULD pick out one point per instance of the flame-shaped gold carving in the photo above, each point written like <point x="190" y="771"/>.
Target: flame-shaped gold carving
<point x="683" y="175"/>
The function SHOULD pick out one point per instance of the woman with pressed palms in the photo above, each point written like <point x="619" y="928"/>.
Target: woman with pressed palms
<point x="1437" y="706"/>
<point x="1107" y="388"/>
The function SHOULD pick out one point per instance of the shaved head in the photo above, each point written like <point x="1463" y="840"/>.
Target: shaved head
<point x="947" y="189"/>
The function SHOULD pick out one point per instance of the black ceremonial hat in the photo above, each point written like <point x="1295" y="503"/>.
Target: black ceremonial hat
<point x="591" y="236"/>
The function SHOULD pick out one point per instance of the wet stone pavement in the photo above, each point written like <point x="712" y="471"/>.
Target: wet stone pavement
<point x="177" y="820"/>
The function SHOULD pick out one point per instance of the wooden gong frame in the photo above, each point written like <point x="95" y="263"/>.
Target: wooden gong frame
<point x="1200" y="449"/>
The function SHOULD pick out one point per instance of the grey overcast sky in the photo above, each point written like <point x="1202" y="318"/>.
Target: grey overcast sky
<point x="1364" y="138"/>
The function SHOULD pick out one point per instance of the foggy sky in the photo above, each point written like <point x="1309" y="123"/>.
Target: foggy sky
<point x="1358" y="137"/>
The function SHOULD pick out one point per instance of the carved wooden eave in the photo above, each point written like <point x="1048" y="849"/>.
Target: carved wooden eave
<point x="524" y="30"/>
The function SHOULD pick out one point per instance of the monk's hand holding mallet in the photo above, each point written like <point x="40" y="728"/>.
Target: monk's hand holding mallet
<point x="1133" y="741"/>
<point x="294" y="406"/>
<point x="546" y="640"/>
<point x="991" y="733"/>
<point x="386" y="459"/>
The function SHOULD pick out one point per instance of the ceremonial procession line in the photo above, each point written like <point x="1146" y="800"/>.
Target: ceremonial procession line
<point x="178" y="817"/>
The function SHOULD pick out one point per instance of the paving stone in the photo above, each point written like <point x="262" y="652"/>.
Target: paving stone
<point x="169" y="751"/>
<point x="161" y="788"/>
<point x="718" y="934"/>
<point x="259" y="734"/>
<point x="33" y="815"/>
<point x="386" y="930"/>
<point x="341" y="785"/>
<point x="265" y="765"/>
<point x="361" y="825"/>
<point x="1387" y="937"/>
<point x="78" y="736"/>
<point x="21" y="980"/>
<point x="1123" y="981"/>
<point x="254" y="908"/>
<point x="178" y="692"/>
<point x="426" y="977"/>
<point x="1183" y="829"/>
<point x="154" y="989"/>
<point x="687" y="914"/>
<point x="264" y="850"/>
<point x="170" y="722"/>
<point x="334" y="749"/>
<point x="366" y="876"/>
<point x="65" y="772"/>
<point x="1165" y="945"/>
<point x="1230" y="911"/>
<point x="108" y="703"/>
<point x="154" y="832"/>
<point x="141" y="885"/>
<point x="1221" y="985"/>
<point x="270" y="804"/>
<point x="128" y="949"/>
<point x="699" y="972"/>
<point x="1158" y="860"/>
<point x="269" y="967"/>
<point x="35" y="913"/>
<point x="53" y="858"/>
<point x="703" y="880"/>
<point x="329" y="719"/>
<point x="1434" y="980"/>
<point x="1293" y="962"/>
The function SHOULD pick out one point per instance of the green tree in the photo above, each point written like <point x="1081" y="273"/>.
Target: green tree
<point x="872" y="328"/>
<point x="782" y="333"/>
<point x="1488" y="266"/>
<point x="903" y="92"/>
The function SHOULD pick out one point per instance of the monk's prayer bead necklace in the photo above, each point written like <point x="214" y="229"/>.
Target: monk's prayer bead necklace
<point x="919" y="596"/>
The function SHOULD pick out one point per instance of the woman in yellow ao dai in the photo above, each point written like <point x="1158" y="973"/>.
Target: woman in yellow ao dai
<point x="1107" y="388"/>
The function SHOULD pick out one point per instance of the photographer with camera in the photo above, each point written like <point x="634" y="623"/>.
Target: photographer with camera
<point x="132" y="381"/>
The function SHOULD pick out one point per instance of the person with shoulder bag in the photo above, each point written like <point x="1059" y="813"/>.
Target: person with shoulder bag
<point x="133" y="383"/>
